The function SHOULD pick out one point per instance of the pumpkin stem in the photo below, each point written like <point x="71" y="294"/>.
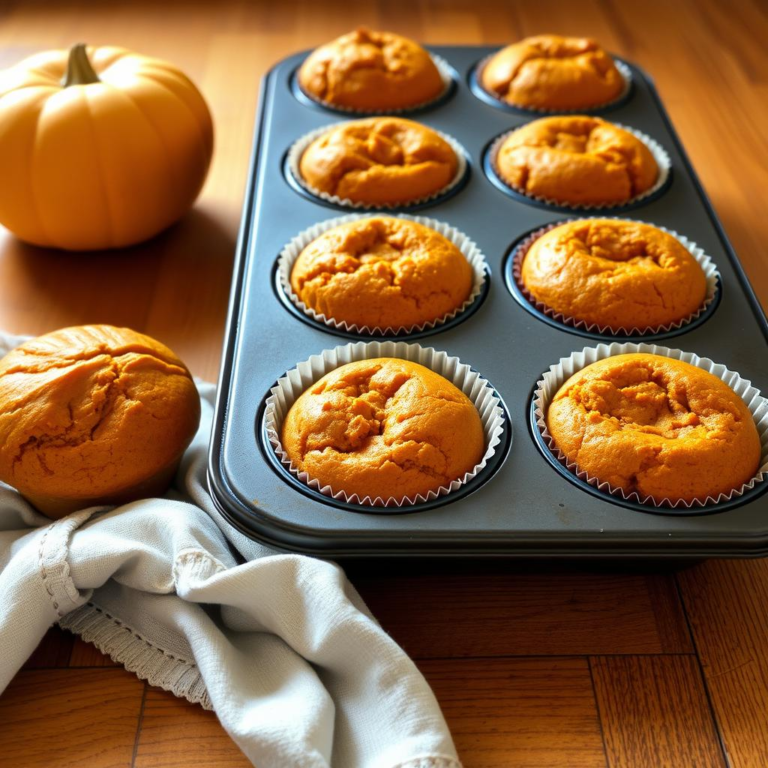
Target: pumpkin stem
<point x="79" y="69"/>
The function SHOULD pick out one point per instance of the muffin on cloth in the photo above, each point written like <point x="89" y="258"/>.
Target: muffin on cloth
<point x="385" y="428"/>
<point x="382" y="272"/>
<point x="379" y="161"/>
<point x="93" y="415"/>
<point x="370" y="70"/>
<point x="658" y="426"/>
<point x="553" y="72"/>
<point x="616" y="274"/>
<point x="576" y="160"/>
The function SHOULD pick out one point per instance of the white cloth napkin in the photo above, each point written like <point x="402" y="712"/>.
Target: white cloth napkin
<point x="281" y="646"/>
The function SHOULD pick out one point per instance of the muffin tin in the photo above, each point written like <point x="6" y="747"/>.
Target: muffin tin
<point x="520" y="505"/>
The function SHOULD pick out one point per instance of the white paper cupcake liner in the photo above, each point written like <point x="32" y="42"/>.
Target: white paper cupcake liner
<point x="624" y="71"/>
<point x="472" y="384"/>
<point x="468" y="248"/>
<point x="446" y="75"/>
<point x="300" y="145"/>
<point x="702" y="259"/>
<point x="660" y="155"/>
<point x="559" y="373"/>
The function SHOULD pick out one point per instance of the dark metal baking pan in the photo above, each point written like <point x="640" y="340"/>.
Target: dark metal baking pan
<point x="527" y="509"/>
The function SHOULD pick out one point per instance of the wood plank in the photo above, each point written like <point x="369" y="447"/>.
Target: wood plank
<point x="521" y="713"/>
<point x="726" y="603"/>
<point x="169" y="722"/>
<point x="654" y="712"/>
<point x="54" y="650"/>
<point x="87" y="655"/>
<point x="463" y="610"/>
<point x="70" y="718"/>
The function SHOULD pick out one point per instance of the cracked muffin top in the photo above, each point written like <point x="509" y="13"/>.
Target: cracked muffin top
<point x="658" y="426"/>
<point x="617" y="274"/>
<point x="382" y="273"/>
<point x="379" y="161"/>
<point x="371" y="71"/>
<point x="553" y="72"/>
<point x="383" y="428"/>
<point x="91" y="413"/>
<point x="576" y="160"/>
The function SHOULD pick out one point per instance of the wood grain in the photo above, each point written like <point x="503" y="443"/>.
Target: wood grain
<point x="726" y="603"/>
<point x="654" y="712"/>
<point x="168" y="722"/>
<point x="54" y="650"/>
<point x="462" y="612"/>
<point x="70" y="719"/>
<point x="524" y="713"/>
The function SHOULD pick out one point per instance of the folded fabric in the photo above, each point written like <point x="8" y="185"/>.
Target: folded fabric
<point x="280" y="646"/>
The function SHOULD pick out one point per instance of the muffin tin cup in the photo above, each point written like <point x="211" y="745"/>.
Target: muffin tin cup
<point x="559" y="373"/>
<point x="468" y="248"/>
<point x="447" y="75"/>
<point x="299" y="146"/>
<point x="476" y="84"/>
<point x="702" y="259"/>
<point x="660" y="155"/>
<point x="289" y="387"/>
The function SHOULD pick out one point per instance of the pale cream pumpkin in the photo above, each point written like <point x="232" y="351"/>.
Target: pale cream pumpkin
<point x="99" y="147"/>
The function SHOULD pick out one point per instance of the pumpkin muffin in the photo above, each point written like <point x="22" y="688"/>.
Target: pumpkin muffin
<point x="382" y="273"/>
<point x="576" y="160"/>
<point x="553" y="72"/>
<point x="616" y="274"/>
<point x="654" y="425"/>
<point x="379" y="161"/>
<point x="383" y="428"/>
<point x="370" y="70"/>
<point x="93" y="415"/>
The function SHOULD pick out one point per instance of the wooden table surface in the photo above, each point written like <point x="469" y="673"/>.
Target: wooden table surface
<point x="570" y="669"/>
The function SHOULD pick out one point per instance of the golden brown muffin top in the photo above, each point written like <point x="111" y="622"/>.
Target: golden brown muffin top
<point x="658" y="426"/>
<point x="92" y="410"/>
<point x="576" y="159"/>
<point x="553" y="72"/>
<point x="382" y="272"/>
<point x="379" y="160"/>
<point x="371" y="71"/>
<point x="618" y="274"/>
<point x="383" y="428"/>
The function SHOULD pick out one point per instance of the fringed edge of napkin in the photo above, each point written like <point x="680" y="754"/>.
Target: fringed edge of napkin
<point x="126" y="647"/>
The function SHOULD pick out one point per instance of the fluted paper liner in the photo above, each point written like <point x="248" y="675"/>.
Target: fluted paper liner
<point x="468" y="248"/>
<point x="660" y="155"/>
<point x="472" y="384"/>
<point x="702" y="259"/>
<point x="300" y="145"/>
<point x="559" y="373"/>
<point x="624" y="71"/>
<point x="446" y="75"/>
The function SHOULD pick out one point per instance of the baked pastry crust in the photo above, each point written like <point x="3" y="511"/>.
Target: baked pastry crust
<point x="576" y="160"/>
<point x="93" y="415"/>
<point x="658" y="426"/>
<point x="382" y="272"/>
<point x="371" y="70"/>
<point x="379" y="161"/>
<point x="617" y="274"/>
<point x="383" y="428"/>
<point x="553" y="72"/>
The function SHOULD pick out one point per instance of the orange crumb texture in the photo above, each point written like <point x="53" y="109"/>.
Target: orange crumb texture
<point x="618" y="274"/>
<point x="383" y="428"/>
<point x="382" y="273"/>
<point x="576" y="160"/>
<point x="379" y="160"/>
<point x="371" y="71"/>
<point x="553" y="72"/>
<point x="658" y="426"/>
<point x="93" y="414"/>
